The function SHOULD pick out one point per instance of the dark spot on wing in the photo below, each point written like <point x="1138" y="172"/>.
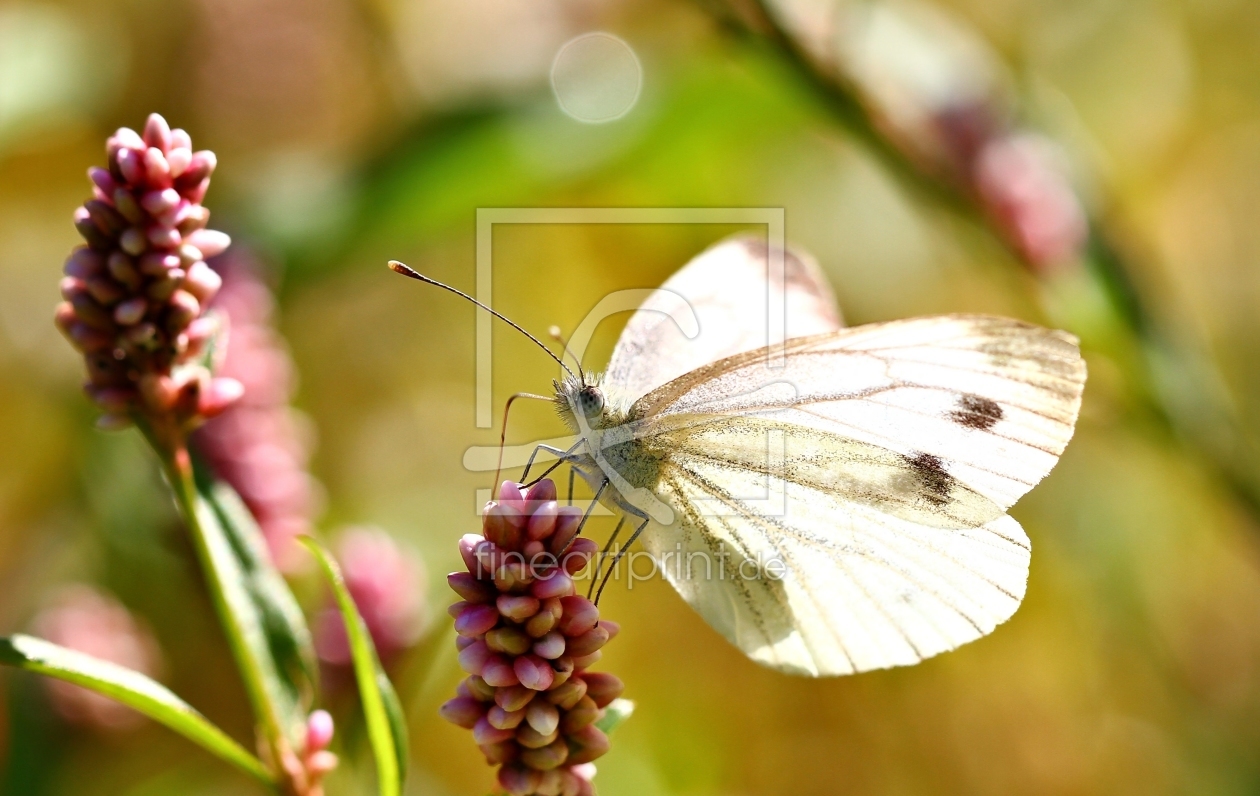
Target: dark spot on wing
<point x="936" y="482"/>
<point x="976" y="412"/>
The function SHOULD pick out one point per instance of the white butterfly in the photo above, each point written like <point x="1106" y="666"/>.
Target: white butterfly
<point x="847" y="507"/>
<point x="896" y="449"/>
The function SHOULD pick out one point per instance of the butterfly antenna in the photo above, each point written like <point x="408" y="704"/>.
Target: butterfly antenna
<point x="405" y="270"/>
<point x="555" y="334"/>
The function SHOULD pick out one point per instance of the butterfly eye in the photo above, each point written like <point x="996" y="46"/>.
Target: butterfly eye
<point x="591" y="402"/>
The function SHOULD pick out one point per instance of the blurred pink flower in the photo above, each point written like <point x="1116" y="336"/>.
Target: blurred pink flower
<point x="135" y="296"/>
<point x="1024" y="189"/>
<point x="88" y="621"/>
<point x="388" y="584"/>
<point x="527" y="639"/>
<point x="261" y="445"/>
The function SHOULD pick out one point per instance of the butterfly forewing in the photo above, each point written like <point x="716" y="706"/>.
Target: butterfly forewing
<point x="730" y="289"/>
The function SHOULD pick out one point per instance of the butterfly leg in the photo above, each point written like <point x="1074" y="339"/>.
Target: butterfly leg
<point x="620" y="553"/>
<point x="603" y="554"/>
<point x="561" y="458"/>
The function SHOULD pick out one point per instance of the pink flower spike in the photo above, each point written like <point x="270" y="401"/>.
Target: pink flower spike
<point x="319" y="730"/>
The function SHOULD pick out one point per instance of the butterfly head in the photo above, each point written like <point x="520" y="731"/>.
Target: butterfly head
<point x="586" y="399"/>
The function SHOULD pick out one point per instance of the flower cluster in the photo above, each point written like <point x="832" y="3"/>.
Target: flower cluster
<point x="526" y="640"/>
<point x="387" y="583"/>
<point x="261" y="444"/>
<point x="83" y="619"/>
<point x="135" y="296"/>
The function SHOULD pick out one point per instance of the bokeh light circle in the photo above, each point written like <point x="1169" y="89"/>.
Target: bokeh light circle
<point x="596" y="78"/>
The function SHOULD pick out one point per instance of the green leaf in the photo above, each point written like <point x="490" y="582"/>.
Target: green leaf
<point x="132" y="689"/>
<point x="617" y="712"/>
<point x="288" y="640"/>
<point x="386" y="728"/>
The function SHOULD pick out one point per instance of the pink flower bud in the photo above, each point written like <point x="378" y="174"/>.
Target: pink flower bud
<point x="519" y="780"/>
<point x="210" y="242"/>
<point x="505" y="720"/>
<point x="603" y="687"/>
<point x="533" y="672"/>
<point x="484" y="732"/>
<point x="472" y="659"/>
<point x="164" y="237"/>
<point x="541" y="492"/>
<point x="557" y="583"/>
<point x="583" y="713"/>
<point x="543" y="521"/>
<point x="543" y="716"/>
<point x="133" y="241"/>
<point x="546" y="759"/>
<point x="587" y="744"/>
<point x="499" y="672"/>
<point x="569" y="694"/>
<point x="102" y="179"/>
<point x="467" y="551"/>
<point x="179" y="159"/>
<point x="475" y="620"/>
<point x="462" y="711"/>
<point x="131" y="311"/>
<point x="503" y="523"/>
<point x="550" y="646"/>
<point x="321" y="764"/>
<point x="514" y="697"/>
<point x="500" y="753"/>
<point x="471" y="589"/>
<point x="202" y="281"/>
<point x="517" y="607"/>
<point x="84" y="264"/>
<point x="130" y="165"/>
<point x="319" y="730"/>
<point x="579" y="554"/>
<point x="510" y="493"/>
<point x="568" y="518"/>
<point x="588" y="642"/>
<point x="184" y="307"/>
<point x="158" y="202"/>
<point x="156" y="169"/>
<point x="580" y="615"/>
<point x="157" y="133"/>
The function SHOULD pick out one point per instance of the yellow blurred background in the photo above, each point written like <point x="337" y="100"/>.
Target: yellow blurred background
<point x="350" y="132"/>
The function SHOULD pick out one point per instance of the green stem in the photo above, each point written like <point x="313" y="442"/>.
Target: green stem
<point x="178" y="467"/>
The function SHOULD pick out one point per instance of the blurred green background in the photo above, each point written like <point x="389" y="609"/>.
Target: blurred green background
<point x="350" y="132"/>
